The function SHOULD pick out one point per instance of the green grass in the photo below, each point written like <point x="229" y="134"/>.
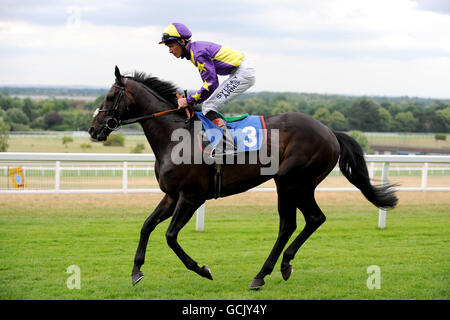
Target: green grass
<point x="52" y="143"/>
<point x="40" y="238"/>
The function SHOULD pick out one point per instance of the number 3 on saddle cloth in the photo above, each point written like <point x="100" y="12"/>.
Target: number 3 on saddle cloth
<point x="249" y="132"/>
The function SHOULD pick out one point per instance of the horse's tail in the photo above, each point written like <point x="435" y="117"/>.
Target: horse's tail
<point x="354" y="168"/>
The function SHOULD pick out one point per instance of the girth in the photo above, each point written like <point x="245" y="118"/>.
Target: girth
<point x="217" y="181"/>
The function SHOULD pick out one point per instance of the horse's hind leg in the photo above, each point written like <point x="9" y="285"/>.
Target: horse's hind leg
<point x="163" y="211"/>
<point x="287" y="211"/>
<point x="314" y="217"/>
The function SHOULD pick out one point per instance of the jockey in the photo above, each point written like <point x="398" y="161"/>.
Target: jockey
<point x="211" y="60"/>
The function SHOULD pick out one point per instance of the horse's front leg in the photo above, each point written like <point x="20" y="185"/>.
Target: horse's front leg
<point x="163" y="211"/>
<point x="183" y="212"/>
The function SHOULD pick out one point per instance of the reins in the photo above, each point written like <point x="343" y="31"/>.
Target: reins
<point x="114" y="122"/>
<point x="155" y="115"/>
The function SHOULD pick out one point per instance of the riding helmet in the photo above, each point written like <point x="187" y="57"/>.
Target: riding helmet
<point x="175" y="31"/>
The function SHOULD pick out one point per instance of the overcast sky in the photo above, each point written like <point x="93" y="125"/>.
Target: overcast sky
<point x="360" y="47"/>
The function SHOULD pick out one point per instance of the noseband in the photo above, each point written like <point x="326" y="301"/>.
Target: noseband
<point x="115" y="122"/>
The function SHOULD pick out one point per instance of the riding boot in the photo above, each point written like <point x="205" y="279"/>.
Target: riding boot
<point x="226" y="146"/>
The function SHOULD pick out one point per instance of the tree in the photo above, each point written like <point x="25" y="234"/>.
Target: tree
<point x="17" y="119"/>
<point x="251" y="105"/>
<point x="48" y="107"/>
<point x="425" y="119"/>
<point x="9" y="103"/>
<point x="323" y="115"/>
<point x="82" y="121"/>
<point x="29" y="109"/>
<point x="4" y="136"/>
<point x="338" y="121"/>
<point x="282" y="106"/>
<point x="302" y="105"/>
<point x="386" y="121"/>
<point x="405" y="121"/>
<point x="443" y="117"/>
<point x="53" y="119"/>
<point x="39" y="123"/>
<point x="16" y="116"/>
<point x="256" y="106"/>
<point x="364" y="115"/>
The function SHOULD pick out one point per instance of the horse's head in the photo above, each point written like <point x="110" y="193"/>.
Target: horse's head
<point x="112" y="110"/>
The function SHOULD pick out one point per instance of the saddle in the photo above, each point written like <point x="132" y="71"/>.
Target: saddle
<point x="248" y="131"/>
<point x="249" y="134"/>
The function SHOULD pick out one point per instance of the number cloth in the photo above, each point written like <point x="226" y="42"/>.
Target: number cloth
<point x="249" y="134"/>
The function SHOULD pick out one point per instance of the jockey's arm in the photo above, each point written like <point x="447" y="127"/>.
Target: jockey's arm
<point x="210" y="80"/>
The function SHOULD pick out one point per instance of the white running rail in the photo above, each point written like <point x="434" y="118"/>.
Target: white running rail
<point x="16" y="158"/>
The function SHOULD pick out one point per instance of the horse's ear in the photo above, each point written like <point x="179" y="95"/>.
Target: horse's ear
<point x="118" y="75"/>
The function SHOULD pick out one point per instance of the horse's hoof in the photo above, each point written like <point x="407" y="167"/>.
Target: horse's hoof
<point x="286" y="272"/>
<point x="256" y="284"/>
<point x="206" y="272"/>
<point x="135" y="278"/>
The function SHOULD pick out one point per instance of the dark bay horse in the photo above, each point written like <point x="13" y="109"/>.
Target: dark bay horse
<point x="307" y="151"/>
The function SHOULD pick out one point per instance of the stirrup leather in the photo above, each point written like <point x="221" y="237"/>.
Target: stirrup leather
<point x="230" y="147"/>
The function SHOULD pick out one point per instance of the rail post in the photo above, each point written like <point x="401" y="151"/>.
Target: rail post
<point x="57" y="176"/>
<point x="125" y="177"/>
<point x="382" y="211"/>
<point x="200" y="222"/>
<point x="424" y="176"/>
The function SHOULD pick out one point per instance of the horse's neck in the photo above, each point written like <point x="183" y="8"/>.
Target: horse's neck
<point x="159" y="130"/>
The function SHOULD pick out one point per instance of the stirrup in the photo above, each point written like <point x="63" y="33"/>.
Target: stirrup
<point x="220" y="153"/>
<point x="225" y="147"/>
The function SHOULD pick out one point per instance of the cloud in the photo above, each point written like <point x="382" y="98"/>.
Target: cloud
<point x="358" y="28"/>
<point x="129" y="13"/>
<point x="74" y="55"/>
<point x="335" y="46"/>
<point x="439" y="6"/>
<point x="367" y="76"/>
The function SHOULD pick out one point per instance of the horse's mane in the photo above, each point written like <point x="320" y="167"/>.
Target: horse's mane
<point x="165" y="89"/>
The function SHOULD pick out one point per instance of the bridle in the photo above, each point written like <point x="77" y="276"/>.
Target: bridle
<point x="114" y="122"/>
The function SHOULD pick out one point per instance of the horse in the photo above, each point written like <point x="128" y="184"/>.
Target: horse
<point x="307" y="152"/>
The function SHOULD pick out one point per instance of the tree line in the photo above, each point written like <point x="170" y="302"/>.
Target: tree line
<point x="344" y="113"/>
<point x="47" y="114"/>
<point x="375" y="114"/>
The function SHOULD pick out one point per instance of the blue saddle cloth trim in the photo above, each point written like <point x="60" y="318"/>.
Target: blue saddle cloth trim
<point x="248" y="133"/>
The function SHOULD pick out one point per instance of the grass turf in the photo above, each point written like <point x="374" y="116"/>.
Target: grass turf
<point x="42" y="235"/>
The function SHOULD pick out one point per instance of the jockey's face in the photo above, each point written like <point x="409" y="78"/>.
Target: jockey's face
<point x="175" y="49"/>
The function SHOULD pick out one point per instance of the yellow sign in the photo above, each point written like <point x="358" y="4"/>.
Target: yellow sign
<point x="17" y="177"/>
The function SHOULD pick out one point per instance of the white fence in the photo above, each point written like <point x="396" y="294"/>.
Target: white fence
<point x="51" y="162"/>
<point x="55" y="165"/>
